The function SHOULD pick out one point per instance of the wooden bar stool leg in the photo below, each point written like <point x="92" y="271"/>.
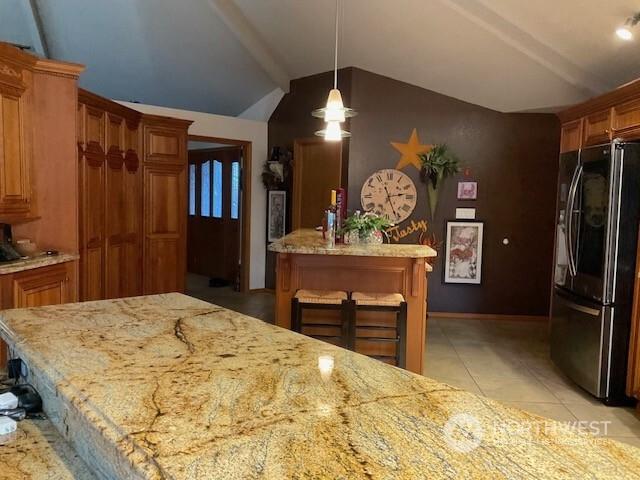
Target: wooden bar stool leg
<point x="296" y="325"/>
<point x="349" y="321"/>
<point x="402" y="331"/>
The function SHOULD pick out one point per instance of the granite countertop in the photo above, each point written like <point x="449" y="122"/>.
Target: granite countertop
<point x="36" y="262"/>
<point x="168" y="386"/>
<point x="308" y="241"/>
<point x="36" y="452"/>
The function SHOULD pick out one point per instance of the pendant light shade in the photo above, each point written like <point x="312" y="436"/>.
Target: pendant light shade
<point x="335" y="112"/>
<point x="333" y="132"/>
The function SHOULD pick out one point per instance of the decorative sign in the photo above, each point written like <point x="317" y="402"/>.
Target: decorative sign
<point x="467" y="190"/>
<point x="463" y="252"/>
<point x="465" y="213"/>
<point x="396" y="233"/>
<point x="410" y="151"/>
<point x="276" y="215"/>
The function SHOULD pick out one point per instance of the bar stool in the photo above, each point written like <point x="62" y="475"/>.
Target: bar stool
<point x="323" y="300"/>
<point x="373" y="338"/>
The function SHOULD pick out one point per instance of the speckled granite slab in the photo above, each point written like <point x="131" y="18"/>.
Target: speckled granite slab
<point x="310" y="242"/>
<point x="169" y="387"/>
<point x="37" y="452"/>
<point x="36" y="262"/>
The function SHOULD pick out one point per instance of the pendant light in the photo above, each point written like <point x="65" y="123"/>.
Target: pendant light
<point x="335" y="112"/>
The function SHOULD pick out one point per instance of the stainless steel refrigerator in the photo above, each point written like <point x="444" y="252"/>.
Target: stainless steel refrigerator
<point x="596" y="238"/>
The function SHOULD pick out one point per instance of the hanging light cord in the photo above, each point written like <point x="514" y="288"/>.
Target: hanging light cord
<point x="335" y="56"/>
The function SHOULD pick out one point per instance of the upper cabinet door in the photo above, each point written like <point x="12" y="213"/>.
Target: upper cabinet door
<point x="571" y="136"/>
<point x="626" y="120"/>
<point x="165" y="145"/>
<point x="597" y="128"/>
<point x="15" y="143"/>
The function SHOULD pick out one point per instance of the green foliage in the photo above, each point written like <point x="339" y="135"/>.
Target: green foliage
<point x="365" y="224"/>
<point x="439" y="163"/>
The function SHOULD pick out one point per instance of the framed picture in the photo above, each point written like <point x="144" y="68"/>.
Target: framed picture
<point x="276" y="215"/>
<point x="467" y="190"/>
<point x="463" y="252"/>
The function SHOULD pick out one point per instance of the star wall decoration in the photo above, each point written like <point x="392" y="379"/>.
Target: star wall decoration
<point x="410" y="151"/>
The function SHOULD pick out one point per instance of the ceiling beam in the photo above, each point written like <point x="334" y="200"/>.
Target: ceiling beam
<point x="251" y="39"/>
<point x="37" y="33"/>
<point x="533" y="48"/>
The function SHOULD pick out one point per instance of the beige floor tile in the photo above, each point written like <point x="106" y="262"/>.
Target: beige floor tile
<point x="445" y="367"/>
<point x="514" y="389"/>
<point x="440" y="350"/>
<point x="621" y="422"/>
<point x="498" y="368"/>
<point x="461" y="382"/>
<point x="554" y="411"/>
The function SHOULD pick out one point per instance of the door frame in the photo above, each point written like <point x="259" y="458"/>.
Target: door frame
<point x="245" y="203"/>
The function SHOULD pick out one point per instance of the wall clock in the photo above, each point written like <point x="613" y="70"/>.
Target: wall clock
<point x="389" y="193"/>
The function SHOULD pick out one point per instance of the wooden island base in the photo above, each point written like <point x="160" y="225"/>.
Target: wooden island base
<point x="365" y="273"/>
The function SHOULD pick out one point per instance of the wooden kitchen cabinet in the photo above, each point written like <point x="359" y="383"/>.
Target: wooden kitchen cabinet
<point x="165" y="209"/>
<point x="597" y="128"/>
<point x="37" y="287"/>
<point x="615" y="114"/>
<point x="110" y="204"/>
<point x="626" y="120"/>
<point x="16" y="125"/>
<point x="41" y="287"/>
<point x="571" y="136"/>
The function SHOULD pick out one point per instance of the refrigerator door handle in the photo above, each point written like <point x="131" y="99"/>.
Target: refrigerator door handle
<point x="581" y="308"/>
<point x="573" y="269"/>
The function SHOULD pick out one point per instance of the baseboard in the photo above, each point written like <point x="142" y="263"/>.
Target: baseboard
<point x="262" y="290"/>
<point x="489" y="316"/>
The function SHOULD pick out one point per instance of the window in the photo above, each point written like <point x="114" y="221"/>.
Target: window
<point x="235" y="189"/>
<point x="217" y="189"/>
<point x="205" y="189"/>
<point x="192" y="189"/>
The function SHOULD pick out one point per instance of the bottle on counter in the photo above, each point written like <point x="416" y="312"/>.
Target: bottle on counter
<point x="330" y="222"/>
<point x="341" y="213"/>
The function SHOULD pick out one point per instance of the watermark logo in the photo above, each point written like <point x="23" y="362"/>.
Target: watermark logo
<point x="463" y="432"/>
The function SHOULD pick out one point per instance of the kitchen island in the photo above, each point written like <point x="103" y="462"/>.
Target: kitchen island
<point x="305" y="262"/>
<point x="167" y="386"/>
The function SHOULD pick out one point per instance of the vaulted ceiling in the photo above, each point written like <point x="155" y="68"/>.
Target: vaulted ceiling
<point x="222" y="56"/>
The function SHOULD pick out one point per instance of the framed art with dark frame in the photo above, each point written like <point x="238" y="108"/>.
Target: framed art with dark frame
<point x="463" y="252"/>
<point x="276" y="215"/>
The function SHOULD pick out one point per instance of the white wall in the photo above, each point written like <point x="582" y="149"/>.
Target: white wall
<point x="263" y="108"/>
<point x="233" y="128"/>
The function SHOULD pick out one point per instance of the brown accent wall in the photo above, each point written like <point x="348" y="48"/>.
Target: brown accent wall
<point x="292" y="119"/>
<point x="513" y="157"/>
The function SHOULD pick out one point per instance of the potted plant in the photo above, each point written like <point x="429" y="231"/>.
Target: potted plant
<point x="437" y="164"/>
<point x="365" y="228"/>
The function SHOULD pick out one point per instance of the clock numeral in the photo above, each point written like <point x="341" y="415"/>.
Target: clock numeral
<point x="370" y="206"/>
<point x="407" y="187"/>
<point x="368" y="195"/>
<point x="379" y="178"/>
<point x="406" y="207"/>
<point x="409" y="196"/>
<point x="389" y="175"/>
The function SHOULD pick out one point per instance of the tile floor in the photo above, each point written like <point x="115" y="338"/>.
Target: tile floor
<point x="504" y="360"/>
<point x="259" y="305"/>
<point x="509" y="361"/>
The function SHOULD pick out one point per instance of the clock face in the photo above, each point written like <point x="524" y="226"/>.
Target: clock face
<point x="389" y="193"/>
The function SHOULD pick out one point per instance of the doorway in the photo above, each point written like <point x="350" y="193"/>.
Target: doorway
<point x="218" y="212"/>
